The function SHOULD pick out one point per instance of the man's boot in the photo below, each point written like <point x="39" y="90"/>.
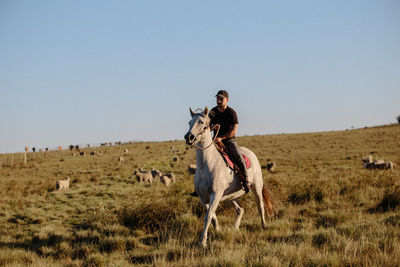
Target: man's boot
<point x="245" y="184"/>
<point x="245" y="187"/>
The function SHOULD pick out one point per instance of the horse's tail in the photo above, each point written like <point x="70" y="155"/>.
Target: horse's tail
<point x="269" y="204"/>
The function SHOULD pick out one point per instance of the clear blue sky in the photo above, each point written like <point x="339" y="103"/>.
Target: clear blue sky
<point x="78" y="72"/>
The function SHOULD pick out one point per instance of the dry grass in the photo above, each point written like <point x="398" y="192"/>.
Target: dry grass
<point x="331" y="211"/>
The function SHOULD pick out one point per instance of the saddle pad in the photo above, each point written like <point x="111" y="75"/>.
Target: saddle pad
<point x="246" y="159"/>
<point x="230" y="163"/>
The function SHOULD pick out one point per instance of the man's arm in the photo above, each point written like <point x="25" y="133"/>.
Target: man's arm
<point x="229" y="134"/>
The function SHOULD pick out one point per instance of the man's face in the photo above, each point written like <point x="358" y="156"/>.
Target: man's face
<point x="222" y="102"/>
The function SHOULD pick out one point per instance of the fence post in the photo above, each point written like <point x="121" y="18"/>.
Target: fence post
<point x="26" y="151"/>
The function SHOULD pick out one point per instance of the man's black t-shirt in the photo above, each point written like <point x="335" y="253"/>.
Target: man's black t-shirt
<point x="226" y="119"/>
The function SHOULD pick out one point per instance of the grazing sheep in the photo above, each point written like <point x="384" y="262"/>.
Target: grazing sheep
<point x="192" y="168"/>
<point x="165" y="180"/>
<point x="126" y="151"/>
<point x="156" y="174"/>
<point x="121" y="159"/>
<point x="143" y="176"/>
<point x="170" y="176"/>
<point x="62" y="184"/>
<point x="82" y="153"/>
<point x="77" y="148"/>
<point x="271" y="166"/>
<point x="368" y="162"/>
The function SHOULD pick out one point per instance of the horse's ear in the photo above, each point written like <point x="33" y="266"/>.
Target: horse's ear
<point x="205" y="111"/>
<point x="191" y="112"/>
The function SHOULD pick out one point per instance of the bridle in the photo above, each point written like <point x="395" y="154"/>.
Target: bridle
<point x="204" y="129"/>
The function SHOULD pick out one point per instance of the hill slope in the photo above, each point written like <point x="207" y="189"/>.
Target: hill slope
<point x="331" y="211"/>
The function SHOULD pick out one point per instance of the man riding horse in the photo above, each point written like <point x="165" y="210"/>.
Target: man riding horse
<point x="226" y="118"/>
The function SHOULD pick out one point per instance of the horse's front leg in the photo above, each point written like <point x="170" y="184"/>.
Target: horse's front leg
<point x="215" y="198"/>
<point x="214" y="219"/>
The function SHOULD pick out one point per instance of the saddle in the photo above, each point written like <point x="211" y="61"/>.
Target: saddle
<point x="229" y="162"/>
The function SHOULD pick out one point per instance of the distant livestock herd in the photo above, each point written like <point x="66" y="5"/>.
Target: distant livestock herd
<point x="144" y="176"/>
<point x="74" y="147"/>
<point x="34" y="149"/>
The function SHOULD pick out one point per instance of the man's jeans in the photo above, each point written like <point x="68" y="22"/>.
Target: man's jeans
<point x="233" y="152"/>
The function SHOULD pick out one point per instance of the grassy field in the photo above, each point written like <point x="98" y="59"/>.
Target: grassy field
<point x="331" y="211"/>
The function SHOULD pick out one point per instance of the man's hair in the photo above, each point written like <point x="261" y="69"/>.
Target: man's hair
<point x="222" y="93"/>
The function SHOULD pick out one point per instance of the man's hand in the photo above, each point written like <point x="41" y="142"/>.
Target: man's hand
<point x="218" y="140"/>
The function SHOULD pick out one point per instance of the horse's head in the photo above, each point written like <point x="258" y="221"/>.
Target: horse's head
<point x="197" y="126"/>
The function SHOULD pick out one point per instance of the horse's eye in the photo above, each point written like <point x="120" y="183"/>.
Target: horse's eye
<point x="201" y="122"/>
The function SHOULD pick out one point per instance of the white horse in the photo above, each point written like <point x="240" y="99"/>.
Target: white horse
<point x="215" y="182"/>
